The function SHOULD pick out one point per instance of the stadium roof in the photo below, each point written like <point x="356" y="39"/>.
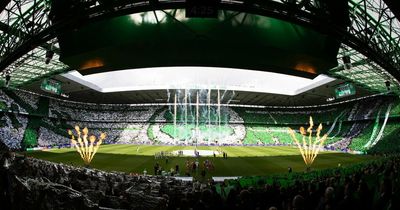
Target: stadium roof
<point x="371" y="42"/>
<point x="198" y="78"/>
<point x="81" y="92"/>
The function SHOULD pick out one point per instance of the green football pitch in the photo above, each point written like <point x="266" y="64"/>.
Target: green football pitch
<point x="241" y="161"/>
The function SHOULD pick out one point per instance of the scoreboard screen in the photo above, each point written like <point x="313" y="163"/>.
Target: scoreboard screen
<point x="201" y="8"/>
<point x="51" y="86"/>
<point x="345" y="90"/>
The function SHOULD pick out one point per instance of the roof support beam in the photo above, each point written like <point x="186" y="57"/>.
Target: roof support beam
<point x="394" y="6"/>
<point x="3" y="4"/>
<point x="7" y="29"/>
<point x="383" y="49"/>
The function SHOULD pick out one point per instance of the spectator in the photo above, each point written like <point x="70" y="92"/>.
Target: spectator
<point x="327" y="201"/>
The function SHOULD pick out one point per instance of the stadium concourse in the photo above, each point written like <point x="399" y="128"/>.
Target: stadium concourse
<point x="200" y="104"/>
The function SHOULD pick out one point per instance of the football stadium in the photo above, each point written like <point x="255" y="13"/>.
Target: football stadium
<point x="200" y="104"/>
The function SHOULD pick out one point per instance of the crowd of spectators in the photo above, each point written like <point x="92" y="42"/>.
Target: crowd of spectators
<point x="129" y="124"/>
<point x="288" y="116"/>
<point x="160" y="118"/>
<point x="4" y="98"/>
<point x="35" y="184"/>
<point x="28" y="183"/>
<point x="48" y="137"/>
<point x="365" y="109"/>
<point x="117" y="133"/>
<point x="234" y="117"/>
<point x="32" y="183"/>
<point x="235" y="138"/>
<point x="12" y="134"/>
<point x="356" y="129"/>
<point x="103" y="113"/>
<point x="234" y="120"/>
<point x="109" y="125"/>
<point x="11" y="104"/>
<point x="29" y="98"/>
<point x="126" y="136"/>
<point x="222" y="138"/>
<point x="160" y="136"/>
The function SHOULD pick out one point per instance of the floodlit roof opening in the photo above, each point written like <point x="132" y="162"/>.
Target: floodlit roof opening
<point x="197" y="78"/>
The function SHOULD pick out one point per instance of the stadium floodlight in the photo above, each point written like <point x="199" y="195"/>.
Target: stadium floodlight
<point x="8" y="78"/>
<point x="387" y="84"/>
<point x="309" y="150"/>
<point x="347" y="62"/>
<point x="86" y="149"/>
<point x="49" y="56"/>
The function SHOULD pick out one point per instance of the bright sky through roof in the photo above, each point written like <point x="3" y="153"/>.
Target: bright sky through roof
<point x="197" y="78"/>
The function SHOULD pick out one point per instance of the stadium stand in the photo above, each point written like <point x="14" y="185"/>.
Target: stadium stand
<point x="350" y="127"/>
<point x="371" y="185"/>
<point x="182" y="85"/>
<point x="23" y="100"/>
<point x="390" y="141"/>
<point x="287" y="116"/>
<point x="9" y="103"/>
<point x="101" y="113"/>
<point x="13" y="130"/>
<point x="49" y="138"/>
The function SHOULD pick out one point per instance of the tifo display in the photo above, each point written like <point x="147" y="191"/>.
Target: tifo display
<point x="355" y="127"/>
<point x="198" y="116"/>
